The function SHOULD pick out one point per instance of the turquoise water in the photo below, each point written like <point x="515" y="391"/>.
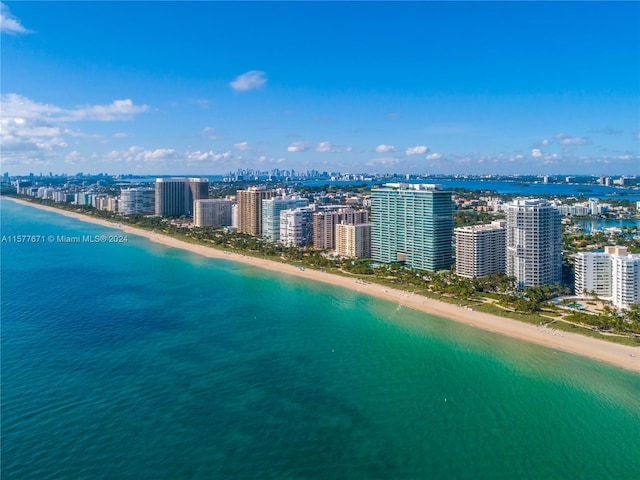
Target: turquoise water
<point x="139" y="361"/>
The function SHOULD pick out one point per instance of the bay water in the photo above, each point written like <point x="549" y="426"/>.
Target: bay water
<point x="135" y="360"/>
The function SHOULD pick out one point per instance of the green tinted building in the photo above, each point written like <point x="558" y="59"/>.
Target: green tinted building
<point x="412" y="225"/>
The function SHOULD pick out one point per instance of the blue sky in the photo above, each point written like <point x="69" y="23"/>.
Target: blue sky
<point x="420" y="87"/>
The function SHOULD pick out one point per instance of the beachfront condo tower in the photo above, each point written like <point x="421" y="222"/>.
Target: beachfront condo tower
<point x="271" y="209"/>
<point x="325" y="222"/>
<point x="481" y="249"/>
<point x="175" y="196"/>
<point x="212" y="212"/>
<point x="250" y="209"/>
<point x="412" y="224"/>
<point x="534" y="242"/>
<point x="353" y="240"/>
<point x="612" y="275"/>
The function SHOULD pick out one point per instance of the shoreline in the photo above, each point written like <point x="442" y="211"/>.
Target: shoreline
<point x="621" y="356"/>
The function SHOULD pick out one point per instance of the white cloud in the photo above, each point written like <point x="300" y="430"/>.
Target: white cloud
<point x="208" y="156"/>
<point x="536" y="153"/>
<point x="382" y="148"/>
<point x="14" y="105"/>
<point x="417" y="150"/>
<point x="241" y="146"/>
<point x="122" y="135"/>
<point x="575" y="141"/>
<point x="434" y="156"/>
<point x="324" y="147"/>
<point x="545" y="141"/>
<point x="560" y="136"/>
<point x="249" y="81"/>
<point x="10" y="24"/>
<point x="297" y="147"/>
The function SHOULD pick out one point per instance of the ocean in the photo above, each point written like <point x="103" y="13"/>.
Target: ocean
<point x="135" y="360"/>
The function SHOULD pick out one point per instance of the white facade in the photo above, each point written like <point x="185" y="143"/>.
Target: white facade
<point x="613" y="275"/>
<point x="481" y="249"/>
<point x="271" y="209"/>
<point x="214" y="212"/>
<point x="593" y="274"/>
<point x="296" y="226"/>
<point x="625" y="280"/>
<point x="534" y="242"/>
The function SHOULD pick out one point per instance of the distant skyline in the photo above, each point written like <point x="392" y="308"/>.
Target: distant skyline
<point x="204" y="88"/>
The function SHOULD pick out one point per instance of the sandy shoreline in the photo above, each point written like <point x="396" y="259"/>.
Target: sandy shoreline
<point x="619" y="355"/>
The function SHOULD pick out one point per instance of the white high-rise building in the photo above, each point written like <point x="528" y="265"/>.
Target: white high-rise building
<point x="481" y="249"/>
<point x="271" y="209"/>
<point x="296" y="226"/>
<point x="534" y="242"/>
<point x="613" y="275"/>
<point x="213" y="212"/>
<point x="593" y="274"/>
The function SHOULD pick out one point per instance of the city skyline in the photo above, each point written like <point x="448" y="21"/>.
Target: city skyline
<point x="209" y="87"/>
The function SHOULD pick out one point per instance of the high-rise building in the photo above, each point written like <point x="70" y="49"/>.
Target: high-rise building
<point x="199" y="190"/>
<point x="271" y="209"/>
<point x="353" y="240"/>
<point x="625" y="289"/>
<point x="481" y="249"/>
<point x="212" y="212"/>
<point x="175" y="196"/>
<point x="593" y="274"/>
<point x="324" y="225"/>
<point x="534" y="242"/>
<point x="137" y="200"/>
<point x="413" y="225"/>
<point x="612" y="275"/>
<point x="250" y="209"/>
<point x="296" y="226"/>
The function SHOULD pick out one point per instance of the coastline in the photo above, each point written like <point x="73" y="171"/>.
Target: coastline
<point x="622" y="356"/>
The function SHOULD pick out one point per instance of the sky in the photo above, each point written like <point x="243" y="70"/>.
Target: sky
<point x="206" y="88"/>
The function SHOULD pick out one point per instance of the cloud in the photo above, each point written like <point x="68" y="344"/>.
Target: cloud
<point x="14" y="105"/>
<point x="241" y="146"/>
<point x="136" y="154"/>
<point x="297" y="147"/>
<point x="536" y="153"/>
<point x="250" y="80"/>
<point x="324" y="147"/>
<point x="434" y="156"/>
<point x="123" y="135"/>
<point x="560" y="136"/>
<point x="545" y="141"/>
<point x="636" y="135"/>
<point x="417" y="150"/>
<point x="10" y="24"/>
<point x="385" y="148"/>
<point x="210" y="156"/>
<point x="575" y="141"/>
<point x="208" y="131"/>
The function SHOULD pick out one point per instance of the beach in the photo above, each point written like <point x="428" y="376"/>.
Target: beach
<point x="622" y="356"/>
